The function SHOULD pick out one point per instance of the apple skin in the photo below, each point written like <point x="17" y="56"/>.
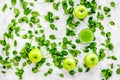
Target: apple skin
<point x="69" y="63"/>
<point x="91" y="60"/>
<point x="86" y="35"/>
<point x="81" y="12"/>
<point x="35" y="55"/>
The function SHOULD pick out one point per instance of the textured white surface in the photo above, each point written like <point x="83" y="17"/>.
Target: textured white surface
<point x="43" y="8"/>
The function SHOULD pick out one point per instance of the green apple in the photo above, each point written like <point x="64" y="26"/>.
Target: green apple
<point x="91" y="60"/>
<point x="35" y="55"/>
<point x="81" y="12"/>
<point x="69" y="63"/>
<point x="86" y="35"/>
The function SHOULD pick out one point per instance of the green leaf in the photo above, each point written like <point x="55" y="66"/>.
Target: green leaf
<point x="50" y="71"/>
<point x="112" y="4"/>
<point x="24" y="64"/>
<point x="24" y="4"/>
<point x="16" y="12"/>
<point x="19" y="73"/>
<point x="4" y="7"/>
<point x="15" y="52"/>
<point x="72" y="72"/>
<point x="69" y="32"/>
<point x="17" y="58"/>
<point x="63" y="52"/>
<point x="118" y="71"/>
<point x="102" y="54"/>
<point x="77" y="40"/>
<point x="74" y="53"/>
<point x="27" y="11"/>
<point x="108" y="34"/>
<point x="112" y="66"/>
<point x="100" y="16"/>
<point x="13" y="2"/>
<point x="3" y="42"/>
<point x="114" y="58"/>
<point x="71" y="2"/>
<point x="52" y="36"/>
<point x="34" y="20"/>
<point x="112" y="23"/>
<point x="35" y="13"/>
<point x="49" y="0"/>
<point x="107" y="73"/>
<point x="87" y="70"/>
<point x="34" y="70"/>
<point x="64" y="46"/>
<point x="64" y="4"/>
<point x="15" y="43"/>
<point x="49" y="17"/>
<point x="52" y="26"/>
<point x="110" y="46"/>
<point x="24" y="36"/>
<point x="23" y="19"/>
<point x="80" y="69"/>
<point x="56" y="5"/>
<point x="61" y="75"/>
<point x="106" y="9"/>
<point x="21" y="1"/>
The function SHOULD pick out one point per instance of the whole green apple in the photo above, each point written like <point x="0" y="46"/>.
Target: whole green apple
<point x="91" y="60"/>
<point x="81" y="12"/>
<point x="86" y="35"/>
<point x="35" y="55"/>
<point x="69" y="63"/>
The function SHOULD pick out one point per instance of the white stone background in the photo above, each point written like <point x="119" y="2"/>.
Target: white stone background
<point x="43" y="8"/>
